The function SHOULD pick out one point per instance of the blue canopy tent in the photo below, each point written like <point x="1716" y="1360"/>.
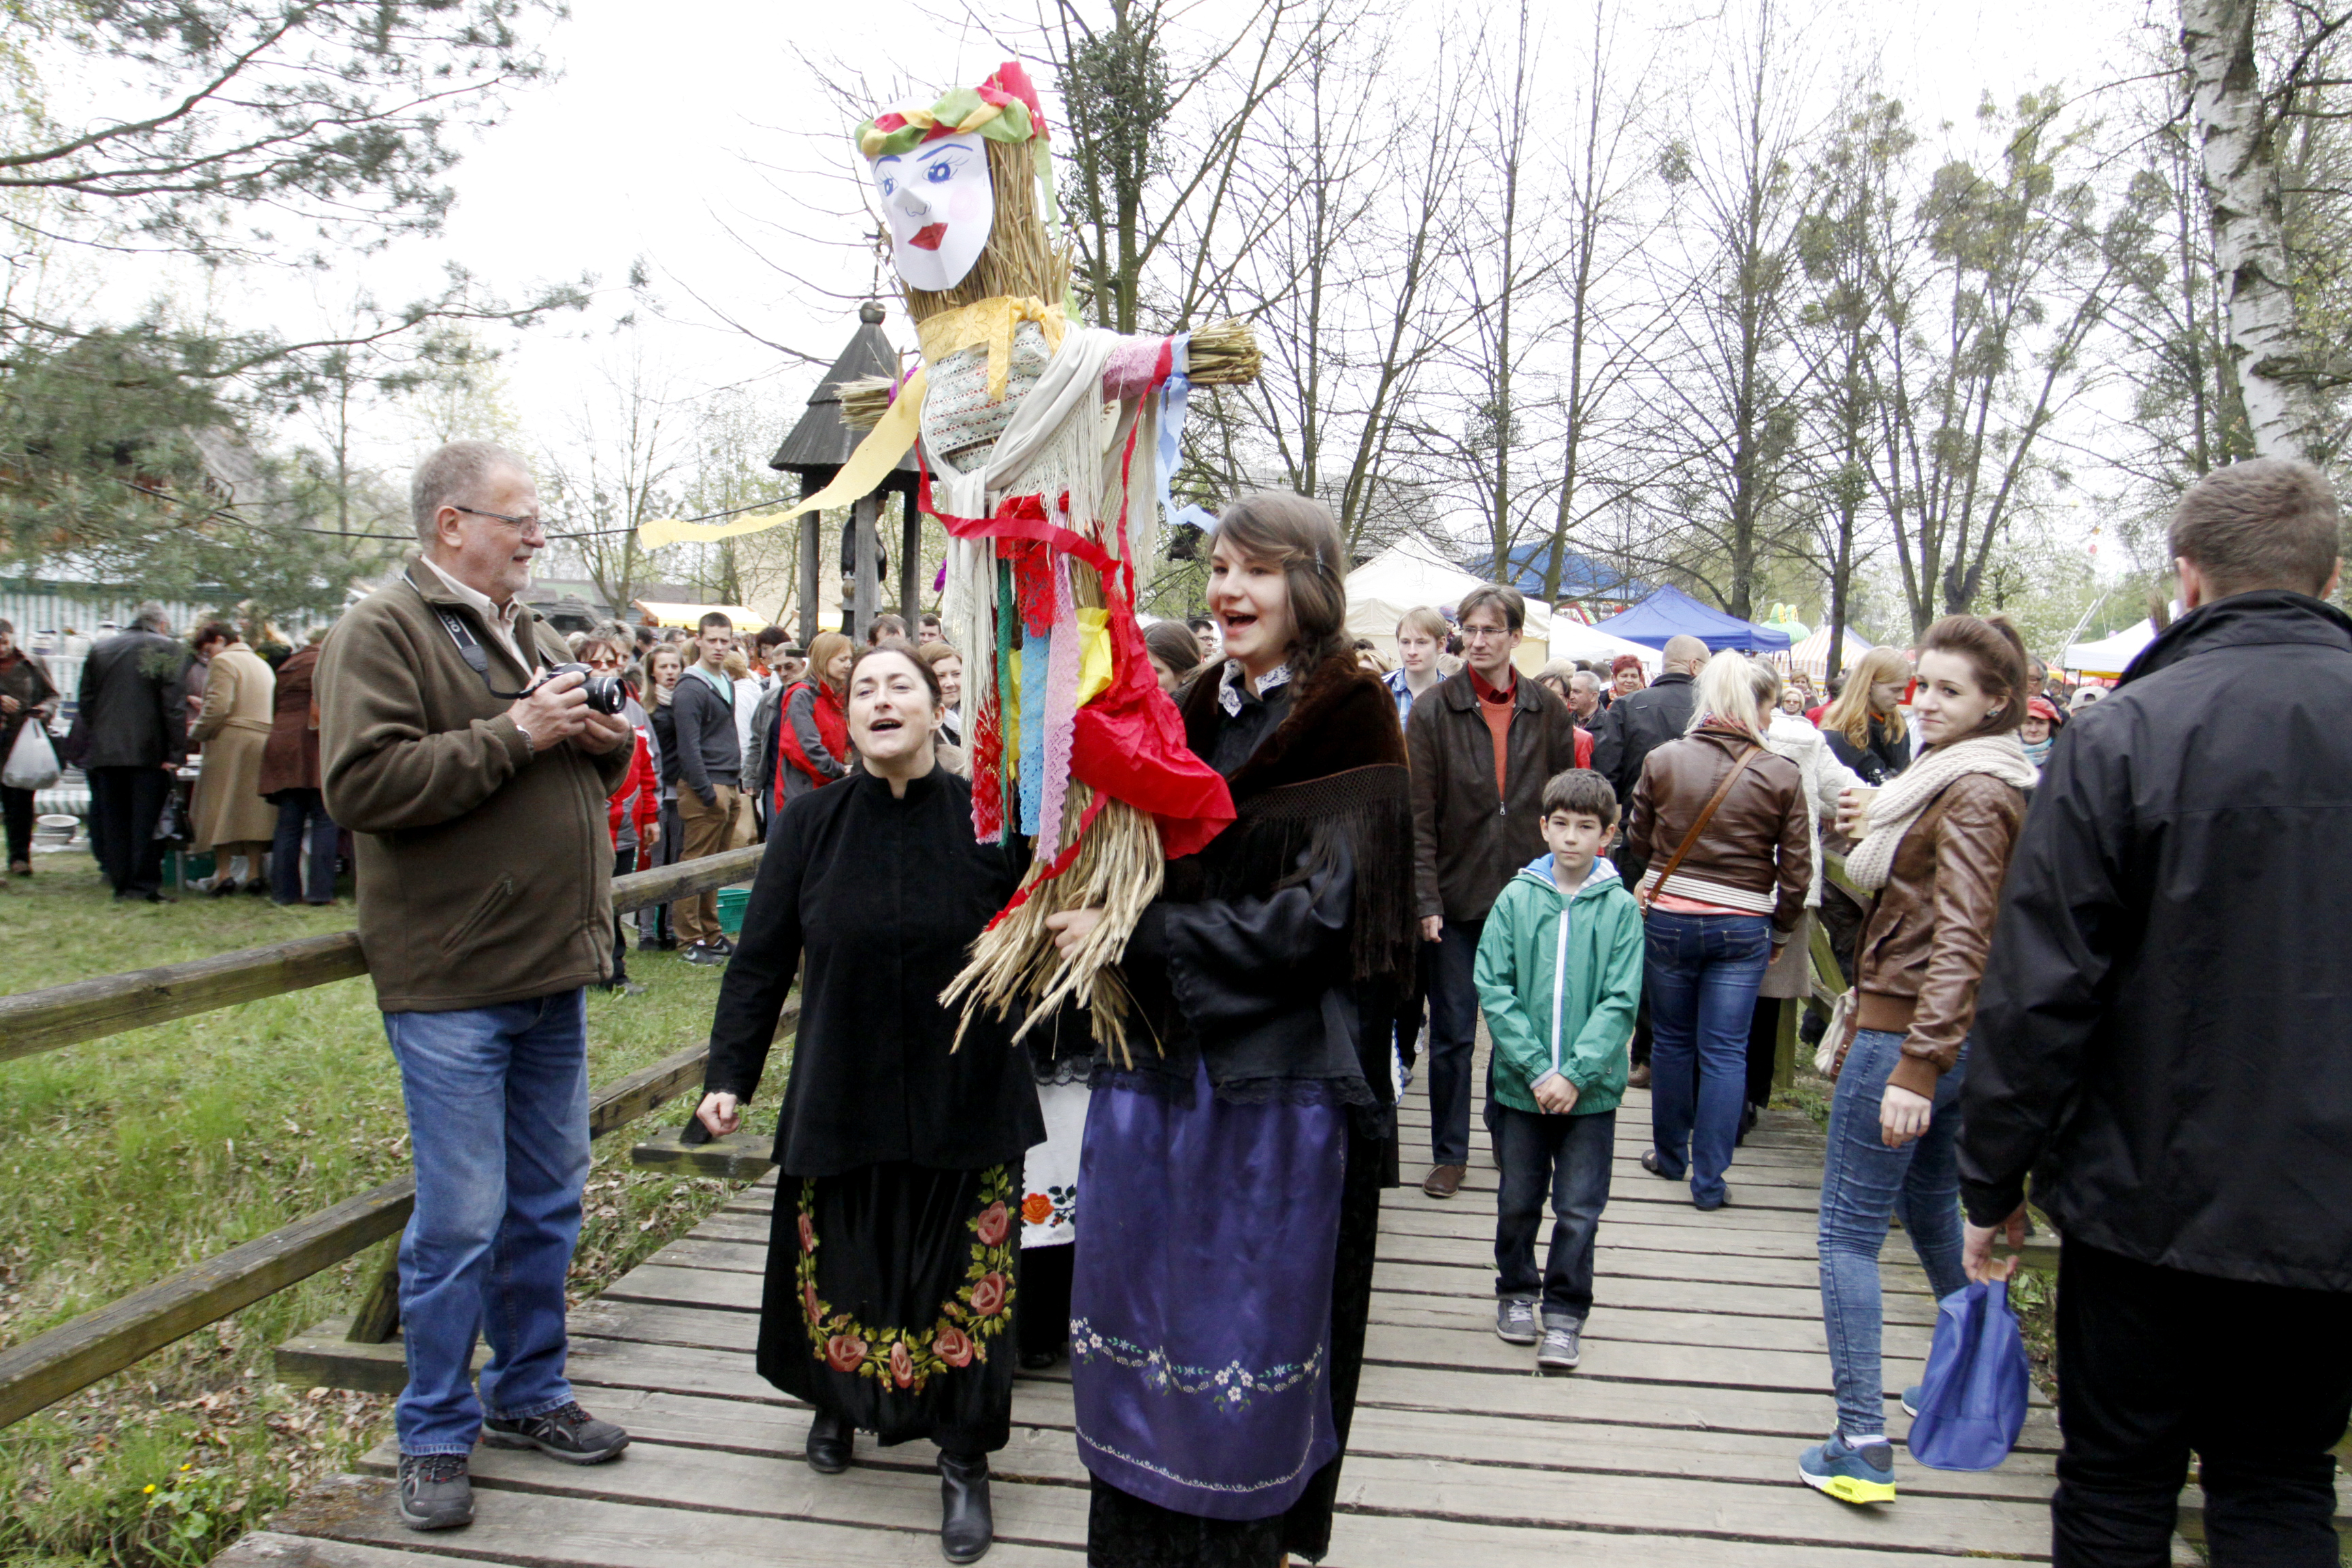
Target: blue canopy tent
<point x="1669" y="612"/>
<point x="1580" y="576"/>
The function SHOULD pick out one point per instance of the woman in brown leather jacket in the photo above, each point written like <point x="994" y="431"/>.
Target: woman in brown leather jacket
<point x="1935" y="844"/>
<point x="1724" y="888"/>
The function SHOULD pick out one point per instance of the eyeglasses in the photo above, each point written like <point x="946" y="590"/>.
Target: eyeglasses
<point x="523" y="523"/>
<point x="1480" y="634"/>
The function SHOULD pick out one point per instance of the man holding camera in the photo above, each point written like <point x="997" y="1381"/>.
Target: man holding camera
<point x="475" y="785"/>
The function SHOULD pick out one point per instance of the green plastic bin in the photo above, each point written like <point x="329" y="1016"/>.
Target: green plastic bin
<point x="730" y="908"/>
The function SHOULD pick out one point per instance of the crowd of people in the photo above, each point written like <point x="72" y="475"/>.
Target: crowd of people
<point x="2093" y="948"/>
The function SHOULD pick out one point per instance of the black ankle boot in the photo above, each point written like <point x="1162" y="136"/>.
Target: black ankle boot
<point x="829" y="1440"/>
<point x="967" y="1527"/>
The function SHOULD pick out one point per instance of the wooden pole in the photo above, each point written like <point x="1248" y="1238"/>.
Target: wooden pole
<point x="812" y="544"/>
<point x="867" y="602"/>
<point x="911" y="564"/>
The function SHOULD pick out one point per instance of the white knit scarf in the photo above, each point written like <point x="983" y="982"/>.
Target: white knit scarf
<point x="1899" y="802"/>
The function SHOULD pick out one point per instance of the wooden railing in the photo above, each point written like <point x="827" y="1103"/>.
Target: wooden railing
<point x="73" y="1355"/>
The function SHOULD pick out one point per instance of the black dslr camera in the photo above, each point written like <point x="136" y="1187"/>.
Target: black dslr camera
<point x="605" y="693"/>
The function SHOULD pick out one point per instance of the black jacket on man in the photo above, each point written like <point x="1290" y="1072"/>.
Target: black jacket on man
<point x="1637" y="724"/>
<point x="709" y="752"/>
<point x="2164" y="1034"/>
<point x="130" y="708"/>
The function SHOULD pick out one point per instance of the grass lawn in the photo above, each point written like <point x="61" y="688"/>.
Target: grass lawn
<point x="127" y="1158"/>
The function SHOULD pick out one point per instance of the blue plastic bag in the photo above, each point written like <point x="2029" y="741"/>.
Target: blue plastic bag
<point x="1972" y="1404"/>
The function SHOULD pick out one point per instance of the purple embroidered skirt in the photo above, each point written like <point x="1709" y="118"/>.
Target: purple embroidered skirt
<point x="1201" y="1311"/>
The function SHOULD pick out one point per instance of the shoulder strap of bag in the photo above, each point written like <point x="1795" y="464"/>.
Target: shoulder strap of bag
<point x="1706" y="815"/>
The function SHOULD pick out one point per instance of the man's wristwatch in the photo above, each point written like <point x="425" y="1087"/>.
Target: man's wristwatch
<point x="525" y="734"/>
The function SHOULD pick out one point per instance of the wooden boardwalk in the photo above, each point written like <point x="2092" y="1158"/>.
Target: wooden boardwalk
<point x="1675" y="1443"/>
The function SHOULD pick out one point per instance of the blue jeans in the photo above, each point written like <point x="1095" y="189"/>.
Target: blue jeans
<point x="1453" y="1035"/>
<point x="1703" y="971"/>
<point x="1568" y="1156"/>
<point x="498" y="1125"/>
<point x="302" y="814"/>
<point x="1863" y="1184"/>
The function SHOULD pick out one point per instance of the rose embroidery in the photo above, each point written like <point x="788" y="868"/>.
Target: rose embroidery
<point x="909" y="1358"/>
<point x="1036" y="1208"/>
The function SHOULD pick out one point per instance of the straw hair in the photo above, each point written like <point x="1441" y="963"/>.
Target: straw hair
<point x="1850" y="714"/>
<point x="1020" y="259"/>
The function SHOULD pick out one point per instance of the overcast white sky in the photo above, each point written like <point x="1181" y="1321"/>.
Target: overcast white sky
<point x="648" y="146"/>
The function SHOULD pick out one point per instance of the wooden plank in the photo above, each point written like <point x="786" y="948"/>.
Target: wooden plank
<point x="76" y="1354"/>
<point x="513" y="1525"/>
<point x="658" y="1284"/>
<point x="271" y="1549"/>
<point x="738" y="1157"/>
<point x="72" y="1356"/>
<point x="1043" y="1445"/>
<point x="55" y="1015"/>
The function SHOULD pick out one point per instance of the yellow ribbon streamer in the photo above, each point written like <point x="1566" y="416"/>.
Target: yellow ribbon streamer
<point x="892" y="439"/>
<point x="990" y="322"/>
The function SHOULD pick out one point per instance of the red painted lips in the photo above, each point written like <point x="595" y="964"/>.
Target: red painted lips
<point x="928" y="237"/>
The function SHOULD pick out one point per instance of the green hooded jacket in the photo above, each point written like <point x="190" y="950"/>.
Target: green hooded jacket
<point x="1560" y="975"/>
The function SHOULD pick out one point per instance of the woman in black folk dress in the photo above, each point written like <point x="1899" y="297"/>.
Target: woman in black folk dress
<point x="892" y="1267"/>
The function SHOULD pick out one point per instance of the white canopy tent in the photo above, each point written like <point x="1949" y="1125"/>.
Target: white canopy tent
<point x="1402" y="577"/>
<point x="1812" y="655"/>
<point x="2109" y="655"/>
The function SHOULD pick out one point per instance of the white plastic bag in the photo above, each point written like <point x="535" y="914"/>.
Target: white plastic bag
<point x="32" y="761"/>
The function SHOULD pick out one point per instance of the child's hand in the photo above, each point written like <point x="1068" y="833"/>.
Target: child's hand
<point x="1555" y="1094"/>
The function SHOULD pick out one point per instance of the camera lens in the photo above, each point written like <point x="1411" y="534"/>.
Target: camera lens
<point x="605" y="693"/>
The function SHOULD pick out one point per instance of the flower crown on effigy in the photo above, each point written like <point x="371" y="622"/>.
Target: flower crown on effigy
<point x="1003" y="108"/>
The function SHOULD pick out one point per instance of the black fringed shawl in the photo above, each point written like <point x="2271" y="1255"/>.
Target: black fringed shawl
<point x="1266" y="949"/>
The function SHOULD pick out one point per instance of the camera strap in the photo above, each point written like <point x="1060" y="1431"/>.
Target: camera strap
<point x="471" y="651"/>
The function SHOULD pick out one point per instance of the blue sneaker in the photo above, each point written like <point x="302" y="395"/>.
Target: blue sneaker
<point x="1849" y="1475"/>
<point x="1911" y="1397"/>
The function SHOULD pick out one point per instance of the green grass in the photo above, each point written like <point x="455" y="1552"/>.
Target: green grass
<point x="128" y="1158"/>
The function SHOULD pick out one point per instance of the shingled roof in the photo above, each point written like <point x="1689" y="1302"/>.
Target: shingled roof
<point x="820" y="443"/>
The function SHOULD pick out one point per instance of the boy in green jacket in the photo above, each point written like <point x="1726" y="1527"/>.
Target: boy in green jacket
<point x="1559" y="973"/>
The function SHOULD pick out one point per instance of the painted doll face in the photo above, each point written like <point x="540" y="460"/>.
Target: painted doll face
<point x="940" y="206"/>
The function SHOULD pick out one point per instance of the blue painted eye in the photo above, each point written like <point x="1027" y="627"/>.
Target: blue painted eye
<point x="940" y="173"/>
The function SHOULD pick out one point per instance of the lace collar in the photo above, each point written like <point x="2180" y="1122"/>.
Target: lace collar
<point x="1229" y="687"/>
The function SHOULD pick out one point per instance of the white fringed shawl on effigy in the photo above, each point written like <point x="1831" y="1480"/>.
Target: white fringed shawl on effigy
<point x="1899" y="802"/>
<point x="1054" y="444"/>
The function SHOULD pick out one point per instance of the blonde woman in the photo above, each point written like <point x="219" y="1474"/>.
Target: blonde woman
<point x="1864" y="726"/>
<point x="1723" y="825"/>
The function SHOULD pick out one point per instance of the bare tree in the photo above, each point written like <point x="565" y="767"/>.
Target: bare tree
<point x="629" y="446"/>
<point x="1727" y="388"/>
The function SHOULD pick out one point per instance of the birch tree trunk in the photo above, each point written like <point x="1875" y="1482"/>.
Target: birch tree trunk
<point x="2242" y="192"/>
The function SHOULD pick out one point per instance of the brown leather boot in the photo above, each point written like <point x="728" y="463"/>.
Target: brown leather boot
<point x="1443" y="1181"/>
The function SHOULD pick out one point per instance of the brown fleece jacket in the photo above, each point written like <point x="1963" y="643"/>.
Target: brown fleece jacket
<point x="485" y="869"/>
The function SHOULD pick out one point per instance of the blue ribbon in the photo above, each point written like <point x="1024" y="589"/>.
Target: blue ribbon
<point x="1175" y="395"/>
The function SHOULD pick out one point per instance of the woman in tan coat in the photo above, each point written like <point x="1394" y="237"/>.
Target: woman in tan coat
<point x="231" y="817"/>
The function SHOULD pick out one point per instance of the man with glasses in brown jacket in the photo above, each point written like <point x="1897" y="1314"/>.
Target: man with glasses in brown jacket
<point x="475" y="788"/>
<point x="1483" y="744"/>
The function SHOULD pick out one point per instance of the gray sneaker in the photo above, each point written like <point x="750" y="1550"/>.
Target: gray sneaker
<point x="1515" y="1321"/>
<point x="1560" y="1351"/>
<point x="436" y="1492"/>
<point x="570" y="1434"/>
